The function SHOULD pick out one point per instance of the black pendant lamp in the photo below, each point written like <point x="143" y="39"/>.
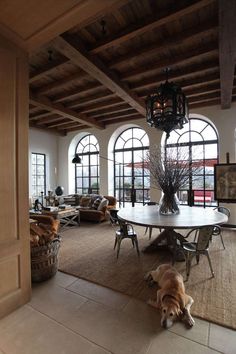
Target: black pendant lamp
<point x="167" y="107"/>
<point x="76" y="159"/>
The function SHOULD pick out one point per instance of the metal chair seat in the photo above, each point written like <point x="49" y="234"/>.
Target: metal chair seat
<point x="126" y="231"/>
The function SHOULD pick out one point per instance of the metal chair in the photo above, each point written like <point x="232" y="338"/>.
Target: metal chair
<point x="195" y="249"/>
<point x="217" y="228"/>
<point x="150" y="227"/>
<point x="126" y="231"/>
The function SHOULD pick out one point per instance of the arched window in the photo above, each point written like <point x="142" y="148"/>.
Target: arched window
<point x="131" y="179"/>
<point x="87" y="173"/>
<point x="199" y="141"/>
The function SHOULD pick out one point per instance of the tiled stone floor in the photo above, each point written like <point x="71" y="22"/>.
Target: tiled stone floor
<point x="68" y="315"/>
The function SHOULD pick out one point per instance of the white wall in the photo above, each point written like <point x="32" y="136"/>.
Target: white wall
<point x="45" y="143"/>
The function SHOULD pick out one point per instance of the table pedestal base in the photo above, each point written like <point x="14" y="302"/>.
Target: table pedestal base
<point x="167" y="239"/>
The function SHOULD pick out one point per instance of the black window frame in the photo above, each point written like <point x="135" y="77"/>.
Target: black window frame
<point x="36" y="175"/>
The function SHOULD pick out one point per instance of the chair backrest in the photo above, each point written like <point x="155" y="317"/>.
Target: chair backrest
<point x="223" y="210"/>
<point x="204" y="236"/>
<point x="125" y="228"/>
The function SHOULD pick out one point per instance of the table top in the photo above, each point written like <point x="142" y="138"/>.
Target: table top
<point x="188" y="217"/>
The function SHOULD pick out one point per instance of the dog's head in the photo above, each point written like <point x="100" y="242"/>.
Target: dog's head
<point x="170" y="310"/>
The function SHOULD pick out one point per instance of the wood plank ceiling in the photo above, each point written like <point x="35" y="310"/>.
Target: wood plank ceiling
<point x="100" y="71"/>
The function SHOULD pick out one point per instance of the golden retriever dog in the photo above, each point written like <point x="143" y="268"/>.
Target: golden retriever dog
<point x="171" y="299"/>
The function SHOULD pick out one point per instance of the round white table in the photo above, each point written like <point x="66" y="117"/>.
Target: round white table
<point x="187" y="218"/>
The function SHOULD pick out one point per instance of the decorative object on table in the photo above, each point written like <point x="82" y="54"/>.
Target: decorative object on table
<point x="170" y="171"/>
<point x="50" y="199"/>
<point x="167" y="107"/>
<point x="225" y="182"/>
<point x="37" y="205"/>
<point x="45" y="243"/>
<point x="59" y="191"/>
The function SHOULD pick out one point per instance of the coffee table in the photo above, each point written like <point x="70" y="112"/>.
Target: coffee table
<point x="67" y="217"/>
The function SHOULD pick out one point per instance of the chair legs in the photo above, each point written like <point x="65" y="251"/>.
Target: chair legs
<point x="221" y="237"/>
<point x="188" y="261"/>
<point x="118" y="240"/>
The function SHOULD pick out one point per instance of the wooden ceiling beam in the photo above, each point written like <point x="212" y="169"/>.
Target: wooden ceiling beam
<point x="96" y="106"/>
<point x="122" y="119"/>
<point x="148" y="24"/>
<point x="47" y="69"/>
<point x="180" y="39"/>
<point x="49" y="119"/>
<point x="81" y="14"/>
<point x="97" y="69"/>
<point x="78" y="91"/>
<point x="42" y="115"/>
<point x="186" y="72"/>
<point x="60" y="83"/>
<point x="54" y="131"/>
<point x="227" y="49"/>
<point x="99" y="97"/>
<point x="44" y="103"/>
<point x="210" y="49"/>
<point x="104" y="112"/>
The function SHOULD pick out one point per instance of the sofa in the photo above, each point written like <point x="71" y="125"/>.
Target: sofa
<point x="92" y="207"/>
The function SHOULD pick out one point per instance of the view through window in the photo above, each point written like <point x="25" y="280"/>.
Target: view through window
<point x="38" y="168"/>
<point x="87" y="173"/>
<point x="131" y="179"/>
<point x="199" y="142"/>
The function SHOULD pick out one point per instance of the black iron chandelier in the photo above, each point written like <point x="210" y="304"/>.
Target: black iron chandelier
<point x="167" y="107"/>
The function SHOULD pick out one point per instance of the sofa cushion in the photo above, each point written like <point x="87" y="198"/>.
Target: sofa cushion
<point x="104" y="203"/>
<point x="85" y="202"/>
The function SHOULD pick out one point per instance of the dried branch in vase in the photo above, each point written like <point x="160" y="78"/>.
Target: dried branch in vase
<point x="170" y="170"/>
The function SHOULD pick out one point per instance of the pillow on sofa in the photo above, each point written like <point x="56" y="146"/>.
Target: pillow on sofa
<point x="104" y="203"/>
<point x="85" y="202"/>
<point x="96" y="203"/>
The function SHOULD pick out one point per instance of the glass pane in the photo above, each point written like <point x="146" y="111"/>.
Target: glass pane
<point x="33" y="158"/>
<point x="93" y="140"/>
<point x="128" y="158"/>
<point x="128" y="144"/>
<point x="94" y="159"/>
<point x="92" y="148"/>
<point x="127" y="170"/>
<point x="198" y="182"/>
<point x="127" y="182"/>
<point x="79" y="182"/>
<point x="209" y="182"/>
<point x="211" y="151"/>
<point x="78" y="170"/>
<point x="209" y="133"/>
<point x="184" y="138"/>
<point x="85" y="160"/>
<point x="138" y="133"/>
<point x="195" y="136"/>
<point x="40" y="170"/>
<point x="127" y="134"/>
<point x="85" y="171"/>
<point x="94" y="171"/>
<point x="137" y="143"/>
<point x="33" y="169"/>
<point x="183" y="197"/>
<point x="197" y="125"/>
<point x="85" y="182"/>
<point x="173" y="137"/>
<point x="40" y="159"/>
<point x="139" y="195"/>
<point x="197" y="152"/>
<point x="119" y="157"/>
<point x="119" y="143"/>
<point x="94" y="183"/>
<point x="138" y="182"/>
<point x="145" y="140"/>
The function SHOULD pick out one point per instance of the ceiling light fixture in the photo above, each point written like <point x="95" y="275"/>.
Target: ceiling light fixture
<point x="167" y="107"/>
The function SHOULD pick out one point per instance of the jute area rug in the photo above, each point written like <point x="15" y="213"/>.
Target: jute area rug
<point x="87" y="252"/>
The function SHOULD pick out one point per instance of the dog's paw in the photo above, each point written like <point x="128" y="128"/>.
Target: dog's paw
<point x="188" y="320"/>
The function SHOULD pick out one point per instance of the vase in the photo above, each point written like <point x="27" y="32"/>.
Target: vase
<point x="168" y="204"/>
<point x="59" y="191"/>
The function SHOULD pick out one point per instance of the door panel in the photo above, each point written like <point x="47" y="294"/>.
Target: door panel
<point x="15" y="285"/>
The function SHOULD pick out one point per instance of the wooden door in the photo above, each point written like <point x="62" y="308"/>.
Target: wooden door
<point x="15" y="284"/>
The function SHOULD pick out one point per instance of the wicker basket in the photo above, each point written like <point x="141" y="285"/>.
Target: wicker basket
<point x="44" y="261"/>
